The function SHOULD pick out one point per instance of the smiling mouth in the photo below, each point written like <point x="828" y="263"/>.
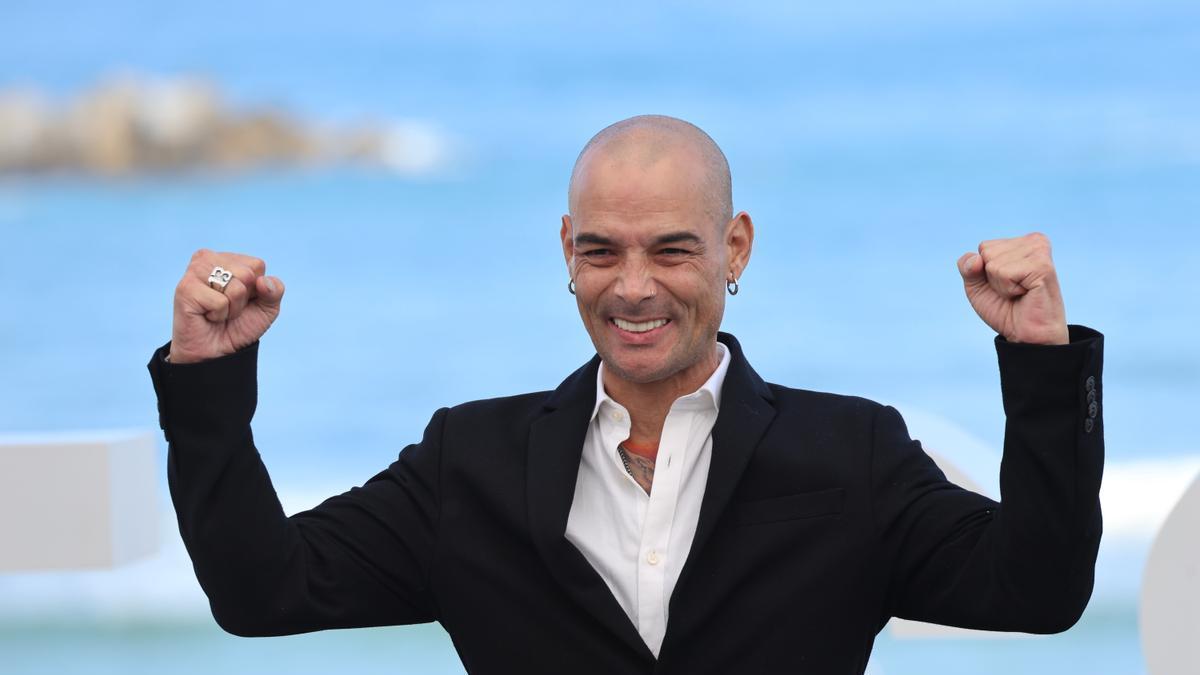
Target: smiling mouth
<point x="639" y="326"/>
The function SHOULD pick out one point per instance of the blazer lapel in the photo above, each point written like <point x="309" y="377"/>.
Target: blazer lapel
<point x="555" y="449"/>
<point x="746" y="412"/>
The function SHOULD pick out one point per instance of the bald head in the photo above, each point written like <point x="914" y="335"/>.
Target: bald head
<point x="642" y="142"/>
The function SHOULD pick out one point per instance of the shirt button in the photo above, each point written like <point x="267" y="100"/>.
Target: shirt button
<point x="652" y="558"/>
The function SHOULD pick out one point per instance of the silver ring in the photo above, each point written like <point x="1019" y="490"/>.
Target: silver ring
<point x="219" y="278"/>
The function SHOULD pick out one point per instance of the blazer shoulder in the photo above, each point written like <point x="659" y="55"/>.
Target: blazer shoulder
<point x="515" y="410"/>
<point x="790" y="399"/>
<point x="825" y="415"/>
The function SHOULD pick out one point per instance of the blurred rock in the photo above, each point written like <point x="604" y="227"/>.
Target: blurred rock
<point x="24" y="127"/>
<point x="126" y="126"/>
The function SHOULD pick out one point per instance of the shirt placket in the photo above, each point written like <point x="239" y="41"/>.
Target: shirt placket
<point x="614" y="430"/>
<point x="656" y="528"/>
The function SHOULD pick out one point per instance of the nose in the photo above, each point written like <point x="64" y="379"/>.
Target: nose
<point x="635" y="282"/>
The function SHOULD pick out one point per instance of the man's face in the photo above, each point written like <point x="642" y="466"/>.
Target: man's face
<point x="649" y="264"/>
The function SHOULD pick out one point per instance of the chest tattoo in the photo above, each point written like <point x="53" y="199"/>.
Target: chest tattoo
<point x="640" y="468"/>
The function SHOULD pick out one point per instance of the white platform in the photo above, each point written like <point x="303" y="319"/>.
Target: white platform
<point x="1170" y="609"/>
<point x="80" y="500"/>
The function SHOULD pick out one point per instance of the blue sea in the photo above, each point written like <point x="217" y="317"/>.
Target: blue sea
<point x="872" y="145"/>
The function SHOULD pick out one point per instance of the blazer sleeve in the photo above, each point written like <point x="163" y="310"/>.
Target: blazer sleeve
<point x="362" y="558"/>
<point x="1023" y="564"/>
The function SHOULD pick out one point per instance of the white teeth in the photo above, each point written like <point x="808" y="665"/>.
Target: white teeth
<point x="639" y="327"/>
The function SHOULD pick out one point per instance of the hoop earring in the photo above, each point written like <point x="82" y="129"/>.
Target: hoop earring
<point x="732" y="286"/>
<point x="571" y="287"/>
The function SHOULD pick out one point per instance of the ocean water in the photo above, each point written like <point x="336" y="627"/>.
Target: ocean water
<point x="872" y="146"/>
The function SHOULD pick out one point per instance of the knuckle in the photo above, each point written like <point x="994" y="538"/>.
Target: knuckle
<point x="1038" y="241"/>
<point x="201" y="253"/>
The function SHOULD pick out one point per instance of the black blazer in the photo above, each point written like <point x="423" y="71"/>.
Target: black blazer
<point x="821" y="520"/>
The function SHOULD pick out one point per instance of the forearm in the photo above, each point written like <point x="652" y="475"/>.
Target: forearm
<point x="1054" y="447"/>
<point x="229" y="516"/>
<point x="1049" y="523"/>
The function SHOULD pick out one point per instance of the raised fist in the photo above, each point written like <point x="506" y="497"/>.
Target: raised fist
<point x="1013" y="287"/>
<point x="211" y="321"/>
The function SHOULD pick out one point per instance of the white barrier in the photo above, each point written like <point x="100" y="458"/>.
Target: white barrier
<point x="1169" y="617"/>
<point x="77" y="500"/>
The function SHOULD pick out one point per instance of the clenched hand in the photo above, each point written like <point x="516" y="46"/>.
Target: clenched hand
<point x="209" y="323"/>
<point x="1013" y="287"/>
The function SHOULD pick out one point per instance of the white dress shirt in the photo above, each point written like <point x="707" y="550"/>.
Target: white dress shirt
<point x="638" y="542"/>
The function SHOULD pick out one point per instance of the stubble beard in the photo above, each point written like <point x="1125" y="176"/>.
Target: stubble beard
<point x="675" y="361"/>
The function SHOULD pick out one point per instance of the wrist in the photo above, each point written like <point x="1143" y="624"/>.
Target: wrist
<point x="180" y="357"/>
<point x="1058" y="335"/>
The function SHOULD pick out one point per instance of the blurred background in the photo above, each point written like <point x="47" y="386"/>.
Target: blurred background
<point x="403" y="168"/>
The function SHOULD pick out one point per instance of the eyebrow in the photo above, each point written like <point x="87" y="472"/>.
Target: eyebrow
<point x="669" y="238"/>
<point x="588" y="238"/>
<point x="677" y="237"/>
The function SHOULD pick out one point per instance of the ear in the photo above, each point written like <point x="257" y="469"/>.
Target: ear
<point x="568" y="244"/>
<point x="739" y="240"/>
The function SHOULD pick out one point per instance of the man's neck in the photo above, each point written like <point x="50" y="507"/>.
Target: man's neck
<point x="649" y="402"/>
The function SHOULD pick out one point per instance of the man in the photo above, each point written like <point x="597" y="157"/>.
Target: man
<point x="663" y="510"/>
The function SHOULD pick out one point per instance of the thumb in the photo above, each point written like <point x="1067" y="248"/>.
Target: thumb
<point x="970" y="266"/>
<point x="270" y="291"/>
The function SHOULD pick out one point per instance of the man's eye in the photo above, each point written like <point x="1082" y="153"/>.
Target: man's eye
<point x="674" y="251"/>
<point x="597" y="253"/>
